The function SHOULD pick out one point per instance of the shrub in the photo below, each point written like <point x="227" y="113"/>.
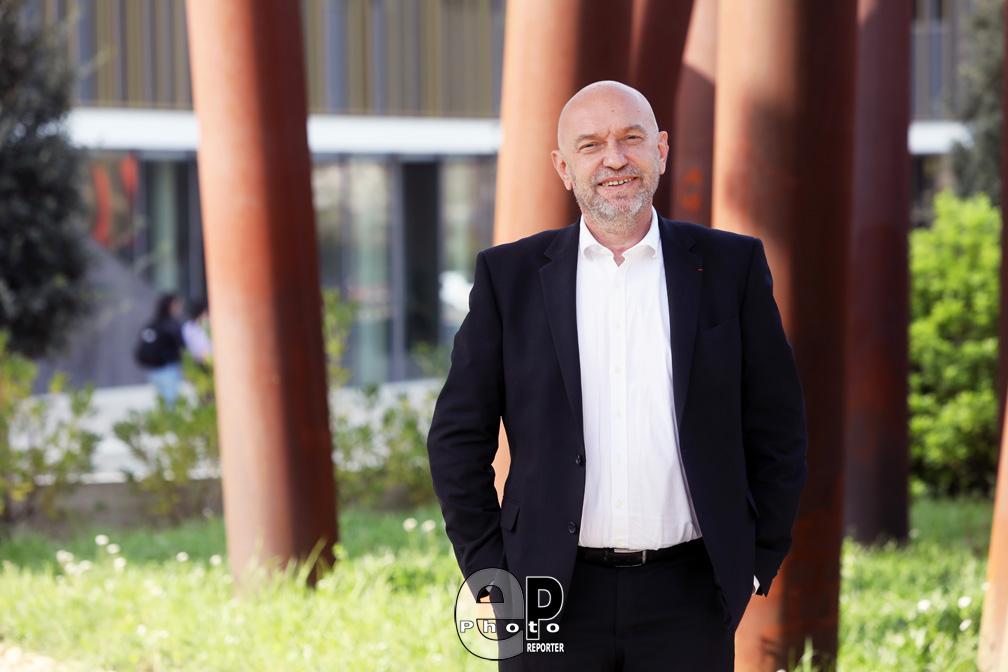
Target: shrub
<point x="381" y="457"/>
<point x="380" y="443"/>
<point x="178" y="447"/>
<point x="954" y="269"/>
<point x="42" y="453"/>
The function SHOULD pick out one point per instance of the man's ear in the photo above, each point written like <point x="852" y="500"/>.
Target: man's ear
<point x="561" y="167"/>
<point x="663" y="150"/>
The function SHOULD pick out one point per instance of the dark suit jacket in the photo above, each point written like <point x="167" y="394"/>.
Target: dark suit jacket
<point x="737" y="398"/>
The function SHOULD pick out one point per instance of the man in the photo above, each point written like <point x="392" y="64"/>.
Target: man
<point x="652" y="407"/>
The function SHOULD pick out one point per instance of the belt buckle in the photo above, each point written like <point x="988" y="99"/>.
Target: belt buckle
<point x="617" y="553"/>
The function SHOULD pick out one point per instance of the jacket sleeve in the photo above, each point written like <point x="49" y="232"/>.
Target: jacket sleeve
<point x="464" y="432"/>
<point x="773" y="421"/>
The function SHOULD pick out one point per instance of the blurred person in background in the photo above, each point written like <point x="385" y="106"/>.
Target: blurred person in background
<point x="159" y="348"/>
<point x="196" y="332"/>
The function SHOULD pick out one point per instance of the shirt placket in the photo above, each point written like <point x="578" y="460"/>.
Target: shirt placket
<point x="618" y="406"/>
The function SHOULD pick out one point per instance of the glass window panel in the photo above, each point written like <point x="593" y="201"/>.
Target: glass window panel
<point x="368" y="283"/>
<point x="467" y="200"/>
<point x="87" y="87"/>
<point x="352" y="213"/>
<point x="336" y="59"/>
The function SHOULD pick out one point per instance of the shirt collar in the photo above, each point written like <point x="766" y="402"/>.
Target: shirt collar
<point x="649" y="245"/>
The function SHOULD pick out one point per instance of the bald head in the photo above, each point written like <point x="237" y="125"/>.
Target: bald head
<point x="611" y="155"/>
<point x="598" y="98"/>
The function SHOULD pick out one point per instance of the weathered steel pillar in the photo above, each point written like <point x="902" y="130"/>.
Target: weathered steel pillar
<point x="692" y="169"/>
<point x="782" y="171"/>
<point x="876" y="431"/>
<point x="994" y="621"/>
<point x="548" y="57"/>
<point x="262" y="272"/>
<point x="657" y="39"/>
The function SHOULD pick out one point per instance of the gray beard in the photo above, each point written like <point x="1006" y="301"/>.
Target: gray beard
<point x="615" y="219"/>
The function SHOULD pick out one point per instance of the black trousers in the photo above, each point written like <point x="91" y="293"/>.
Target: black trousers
<point x="663" y="615"/>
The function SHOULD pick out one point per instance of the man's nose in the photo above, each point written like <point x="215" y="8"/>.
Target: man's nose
<point x="614" y="157"/>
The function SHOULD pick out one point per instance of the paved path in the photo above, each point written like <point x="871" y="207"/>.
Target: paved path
<point x="14" y="659"/>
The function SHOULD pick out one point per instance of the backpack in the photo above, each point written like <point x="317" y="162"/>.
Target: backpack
<point x="152" y="346"/>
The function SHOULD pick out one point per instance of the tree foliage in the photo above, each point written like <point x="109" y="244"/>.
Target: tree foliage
<point x="977" y="166"/>
<point x="43" y="257"/>
<point x="953" y="346"/>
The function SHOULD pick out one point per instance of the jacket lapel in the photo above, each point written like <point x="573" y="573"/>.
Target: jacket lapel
<point x="683" y="279"/>
<point x="559" y="283"/>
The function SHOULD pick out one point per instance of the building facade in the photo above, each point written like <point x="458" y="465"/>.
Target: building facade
<point x="404" y="98"/>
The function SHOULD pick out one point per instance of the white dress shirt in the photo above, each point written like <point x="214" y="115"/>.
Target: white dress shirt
<point x="636" y="495"/>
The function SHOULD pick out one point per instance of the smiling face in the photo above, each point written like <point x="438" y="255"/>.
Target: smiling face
<point x="611" y="155"/>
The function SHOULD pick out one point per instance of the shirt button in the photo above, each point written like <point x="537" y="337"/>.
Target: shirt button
<point x="619" y="504"/>
<point x="578" y="460"/>
<point x="618" y="415"/>
<point x="572" y="527"/>
<point x="619" y="459"/>
<point x="617" y="370"/>
<point x="617" y="326"/>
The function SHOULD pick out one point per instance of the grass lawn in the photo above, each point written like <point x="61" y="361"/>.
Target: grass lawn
<point x="164" y="600"/>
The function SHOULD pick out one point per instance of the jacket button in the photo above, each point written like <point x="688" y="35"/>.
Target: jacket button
<point x="578" y="460"/>
<point x="572" y="527"/>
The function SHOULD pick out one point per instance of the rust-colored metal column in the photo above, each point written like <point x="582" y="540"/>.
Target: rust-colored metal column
<point x="875" y="432"/>
<point x="657" y="39"/>
<point x="782" y="171"/>
<point x="550" y="53"/>
<point x="693" y="145"/>
<point x="994" y="621"/>
<point x="262" y="271"/>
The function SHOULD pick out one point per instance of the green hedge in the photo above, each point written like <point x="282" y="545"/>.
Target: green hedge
<point x="954" y="268"/>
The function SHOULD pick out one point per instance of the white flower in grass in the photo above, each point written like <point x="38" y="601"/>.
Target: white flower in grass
<point x="215" y="560"/>
<point x="101" y="540"/>
<point x="965" y="601"/>
<point x="78" y="569"/>
<point x="913" y="534"/>
<point x="409" y="524"/>
<point x="964" y="626"/>
<point x="428" y="526"/>
<point x="923" y="605"/>
<point x="64" y="557"/>
<point x="141" y="630"/>
<point x="182" y="556"/>
<point x="119" y="564"/>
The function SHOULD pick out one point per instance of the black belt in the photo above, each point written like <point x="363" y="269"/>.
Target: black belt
<point x="608" y="557"/>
